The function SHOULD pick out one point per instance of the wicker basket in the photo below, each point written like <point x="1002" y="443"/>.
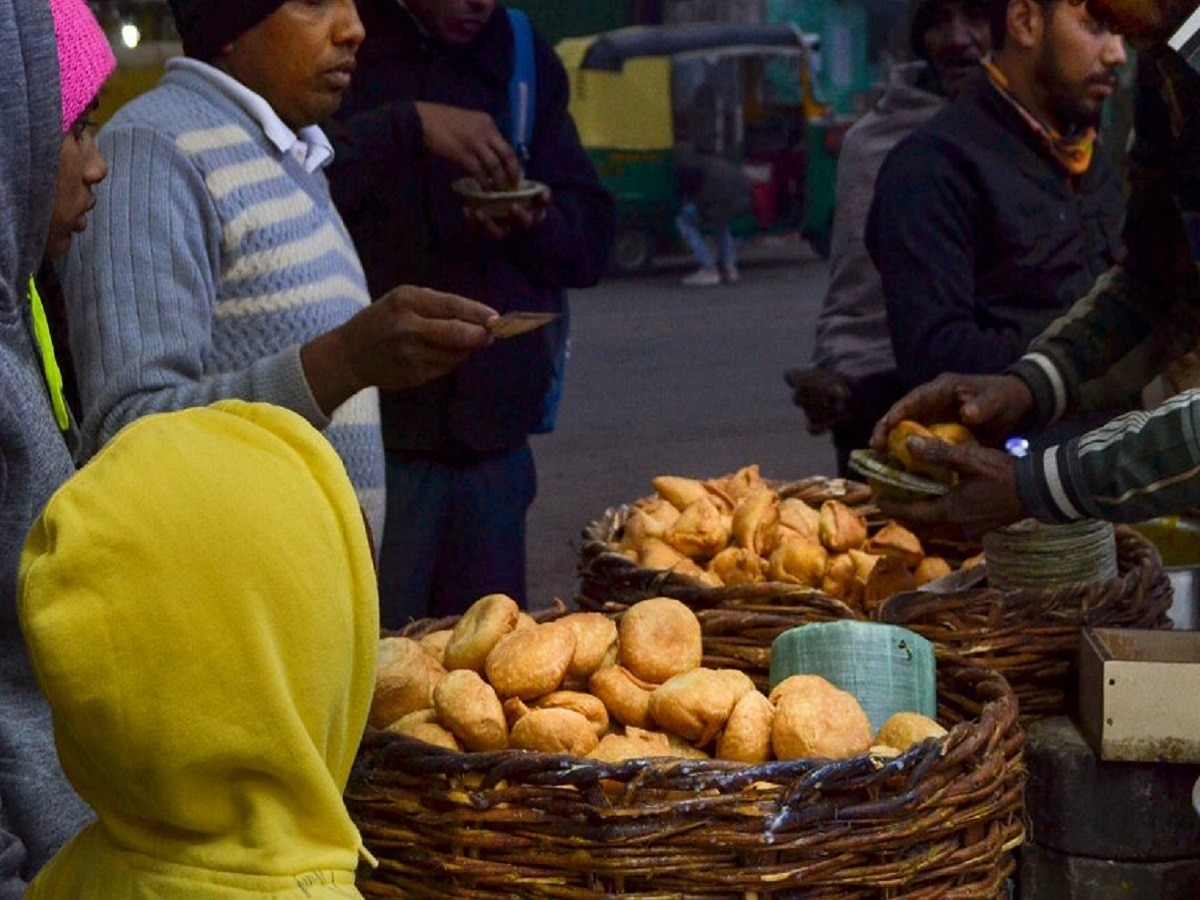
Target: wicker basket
<point x="610" y="581"/>
<point x="941" y="820"/>
<point x="1032" y="637"/>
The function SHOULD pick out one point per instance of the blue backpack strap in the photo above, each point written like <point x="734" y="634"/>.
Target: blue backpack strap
<point x="522" y="87"/>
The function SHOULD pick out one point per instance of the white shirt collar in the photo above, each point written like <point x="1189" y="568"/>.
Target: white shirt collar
<point x="309" y="147"/>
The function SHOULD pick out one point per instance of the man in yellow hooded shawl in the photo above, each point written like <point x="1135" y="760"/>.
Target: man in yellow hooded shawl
<point x="200" y="607"/>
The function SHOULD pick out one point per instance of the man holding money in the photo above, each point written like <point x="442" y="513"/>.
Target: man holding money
<point x="1138" y="317"/>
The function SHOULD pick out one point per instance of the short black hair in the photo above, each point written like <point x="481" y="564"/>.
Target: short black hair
<point x="998" y="18"/>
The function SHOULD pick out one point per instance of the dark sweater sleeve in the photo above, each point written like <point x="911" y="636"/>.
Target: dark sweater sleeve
<point x="921" y="233"/>
<point x="368" y="146"/>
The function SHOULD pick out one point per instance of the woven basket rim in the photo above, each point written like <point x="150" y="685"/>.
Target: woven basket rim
<point x="500" y="825"/>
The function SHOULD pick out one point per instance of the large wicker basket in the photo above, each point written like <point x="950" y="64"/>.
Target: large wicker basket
<point x="609" y="581"/>
<point x="941" y="820"/>
<point x="1031" y="637"/>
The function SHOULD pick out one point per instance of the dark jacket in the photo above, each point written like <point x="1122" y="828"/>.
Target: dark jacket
<point x="408" y="224"/>
<point x="981" y="238"/>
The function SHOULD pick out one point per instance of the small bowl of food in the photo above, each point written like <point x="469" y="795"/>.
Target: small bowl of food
<point x="496" y="204"/>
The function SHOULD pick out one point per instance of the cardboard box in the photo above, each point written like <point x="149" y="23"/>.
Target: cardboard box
<point x="1139" y="694"/>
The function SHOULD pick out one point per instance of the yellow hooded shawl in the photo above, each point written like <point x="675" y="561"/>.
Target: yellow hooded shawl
<point x="201" y="609"/>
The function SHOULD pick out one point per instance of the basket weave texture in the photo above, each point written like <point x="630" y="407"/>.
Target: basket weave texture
<point x="1030" y="636"/>
<point x="939" y="821"/>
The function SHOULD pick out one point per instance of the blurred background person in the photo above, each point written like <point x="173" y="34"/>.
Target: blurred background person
<point x="994" y="216"/>
<point x="429" y="104"/>
<point x="853" y="377"/>
<point x="714" y="191"/>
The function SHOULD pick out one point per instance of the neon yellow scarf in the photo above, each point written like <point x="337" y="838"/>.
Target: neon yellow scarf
<point x="54" y="379"/>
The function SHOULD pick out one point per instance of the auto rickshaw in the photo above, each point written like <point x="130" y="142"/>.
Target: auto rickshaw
<point x="744" y="91"/>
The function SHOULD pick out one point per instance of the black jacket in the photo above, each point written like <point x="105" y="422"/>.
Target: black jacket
<point x="408" y="224"/>
<point x="981" y="238"/>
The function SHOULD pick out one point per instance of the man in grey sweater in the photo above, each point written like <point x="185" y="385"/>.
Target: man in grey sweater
<point x="218" y="266"/>
<point x="853" y="378"/>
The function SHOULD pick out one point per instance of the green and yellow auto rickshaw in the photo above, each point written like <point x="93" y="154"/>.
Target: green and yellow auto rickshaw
<point x="744" y="91"/>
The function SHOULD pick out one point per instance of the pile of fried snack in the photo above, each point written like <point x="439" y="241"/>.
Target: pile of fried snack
<point x="737" y="530"/>
<point x="589" y="686"/>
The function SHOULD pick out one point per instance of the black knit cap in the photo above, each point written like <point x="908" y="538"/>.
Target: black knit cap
<point x="205" y="26"/>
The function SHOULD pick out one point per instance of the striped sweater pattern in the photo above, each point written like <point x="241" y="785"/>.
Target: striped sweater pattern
<point x="209" y="260"/>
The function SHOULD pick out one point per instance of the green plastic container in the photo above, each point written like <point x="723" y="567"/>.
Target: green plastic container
<point x="888" y="668"/>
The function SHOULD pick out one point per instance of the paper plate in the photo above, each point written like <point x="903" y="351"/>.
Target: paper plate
<point x="889" y="483"/>
<point x="496" y="203"/>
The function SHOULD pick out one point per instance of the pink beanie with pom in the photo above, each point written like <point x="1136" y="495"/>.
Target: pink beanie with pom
<point x="85" y="59"/>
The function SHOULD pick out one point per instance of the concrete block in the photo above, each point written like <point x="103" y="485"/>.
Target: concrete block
<point x="1046" y="875"/>
<point x="1080" y="806"/>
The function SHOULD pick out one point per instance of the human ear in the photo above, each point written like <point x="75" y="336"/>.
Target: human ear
<point x="1026" y="22"/>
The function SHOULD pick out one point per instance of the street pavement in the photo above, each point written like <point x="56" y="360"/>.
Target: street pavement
<point x="668" y="380"/>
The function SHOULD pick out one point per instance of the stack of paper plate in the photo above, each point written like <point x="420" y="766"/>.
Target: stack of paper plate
<point x="1036" y="556"/>
<point x="888" y="668"/>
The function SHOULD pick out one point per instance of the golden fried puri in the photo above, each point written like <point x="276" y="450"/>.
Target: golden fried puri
<point x="903" y="729"/>
<point x="696" y="704"/>
<point x="405" y="682"/>
<point x="747" y="734"/>
<point x="435" y="643"/>
<point x="468" y="706"/>
<point x="479" y="629"/>
<point x="815" y="719"/>
<point x="635" y="743"/>
<point x="659" y="637"/>
<point x="589" y="706"/>
<point x="554" y="730"/>
<point x="429" y="732"/>
<point x="595" y="642"/>
<point x="532" y="661"/>
<point x="624" y="695"/>
<point x="930" y="569"/>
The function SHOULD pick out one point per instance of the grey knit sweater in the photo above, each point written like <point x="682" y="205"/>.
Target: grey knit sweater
<point x="210" y="259"/>
<point x="38" y="809"/>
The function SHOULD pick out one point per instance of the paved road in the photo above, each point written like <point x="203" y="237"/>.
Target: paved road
<point x="669" y="380"/>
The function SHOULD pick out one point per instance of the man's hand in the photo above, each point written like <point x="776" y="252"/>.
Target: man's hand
<point x="823" y="395"/>
<point x="984" y="499"/>
<point x="471" y="139"/>
<point x="521" y="216"/>
<point x="992" y="406"/>
<point x="408" y="336"/>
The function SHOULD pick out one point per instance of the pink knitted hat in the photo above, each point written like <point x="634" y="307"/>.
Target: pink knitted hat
<point x="85" y="59"/>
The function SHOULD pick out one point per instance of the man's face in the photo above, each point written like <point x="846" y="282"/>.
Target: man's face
<point x="957" y="38"/>
<point x="1075" y="70"/>
<point x="454" y="22"/>
<point x="299" y="58"/>
<point x="1142" y="21"/>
